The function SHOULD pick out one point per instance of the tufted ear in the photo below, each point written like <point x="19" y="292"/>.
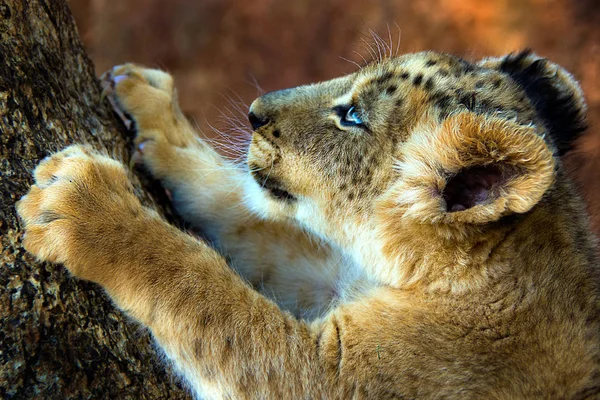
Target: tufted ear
<point x="553" y="91"/>
<point x="471" y="169"/>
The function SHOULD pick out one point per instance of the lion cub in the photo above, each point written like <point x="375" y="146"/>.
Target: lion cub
<point x="406" y="231"/>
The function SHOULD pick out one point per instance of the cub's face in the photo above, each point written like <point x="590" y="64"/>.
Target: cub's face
<point x="332" y="149"/>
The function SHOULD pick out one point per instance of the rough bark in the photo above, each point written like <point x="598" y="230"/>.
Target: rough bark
<point x="59" y="337"/>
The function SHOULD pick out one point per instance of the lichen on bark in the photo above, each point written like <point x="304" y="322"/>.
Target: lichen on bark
<point x="59" y="337"/>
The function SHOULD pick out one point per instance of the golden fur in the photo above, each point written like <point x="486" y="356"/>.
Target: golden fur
<point x="406" y="231"/>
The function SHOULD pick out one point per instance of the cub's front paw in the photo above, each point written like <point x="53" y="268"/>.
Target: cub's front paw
<point x="78" y="210"/>
<point x="145" y="100"/>
<point x="139" y="95"/>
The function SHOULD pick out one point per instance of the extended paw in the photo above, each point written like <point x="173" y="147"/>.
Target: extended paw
<point x="70" y="211"/>
<point x="138" y="95"/>
<point x="145" y="100"/>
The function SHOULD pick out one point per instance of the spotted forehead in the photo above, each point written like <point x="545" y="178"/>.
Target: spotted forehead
<point x="447" y="83"/>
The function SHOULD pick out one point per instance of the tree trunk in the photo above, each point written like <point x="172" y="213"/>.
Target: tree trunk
<point x="59" y="337"/>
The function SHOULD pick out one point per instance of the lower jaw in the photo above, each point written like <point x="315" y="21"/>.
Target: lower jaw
<point x="281" y="194"/>
<point x="273" y="186"/>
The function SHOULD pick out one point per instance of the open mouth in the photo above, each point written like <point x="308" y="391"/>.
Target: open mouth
<point x="273" y="185"/>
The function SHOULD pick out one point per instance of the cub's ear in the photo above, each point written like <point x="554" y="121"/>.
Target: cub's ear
<point x="552" y="90"/>
<point x="471" y="169"/>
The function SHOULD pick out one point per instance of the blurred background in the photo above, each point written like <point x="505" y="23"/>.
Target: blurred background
<point x="221" y="51"/>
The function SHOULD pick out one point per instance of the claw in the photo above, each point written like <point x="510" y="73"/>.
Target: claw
<point x="118" y="79"/>
<point x="108" y="83"/>
<point x="137" y="156"/>
<point x="136" y="159"/>
<point x="107" y="92"/>
<point x="105" y="83"/>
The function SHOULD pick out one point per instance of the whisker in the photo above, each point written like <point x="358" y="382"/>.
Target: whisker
<point x="361" y="56"/>
<point x="399" y="39"/>
<point x="376" y="40"/>
<point x="382" y="45"/>
<point x="240" y="106"/>
<point x="374" y="37"/>
<point x="260" y="91"/>
<point x="353" y="62"/>
<point x="370" y="49"/>
<point x="227" y="142"/>
<point x="390" y="39"/>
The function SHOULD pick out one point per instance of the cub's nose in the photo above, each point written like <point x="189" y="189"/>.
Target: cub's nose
<point x="257" y="120"/>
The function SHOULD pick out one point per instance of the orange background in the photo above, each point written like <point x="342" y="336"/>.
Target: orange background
<point x="219" y="48"/>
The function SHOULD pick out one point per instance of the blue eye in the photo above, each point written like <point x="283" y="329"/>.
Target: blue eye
<point x="351" y="117"/>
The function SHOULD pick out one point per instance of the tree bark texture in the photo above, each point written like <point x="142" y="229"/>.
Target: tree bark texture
<point x="59" y="337"/>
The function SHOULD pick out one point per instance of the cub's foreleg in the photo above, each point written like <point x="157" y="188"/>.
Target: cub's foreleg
<point x="226" y="338"/>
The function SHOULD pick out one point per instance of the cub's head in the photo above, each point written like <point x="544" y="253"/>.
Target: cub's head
<point x="436" y="138"/>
